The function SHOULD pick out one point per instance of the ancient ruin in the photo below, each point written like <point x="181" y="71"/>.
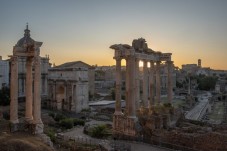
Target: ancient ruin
<point x="27" y="48"/>
<point x="125" y="123"/>
<point x="68" y="89"/>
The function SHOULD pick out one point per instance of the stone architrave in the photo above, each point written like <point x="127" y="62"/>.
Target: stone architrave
<point x="14" y="90"/>
<point x="158" y="82"/>
<point x="170" y="83"/>
<point x="29" y="85"/>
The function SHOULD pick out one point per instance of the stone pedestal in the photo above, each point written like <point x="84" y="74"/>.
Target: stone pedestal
<point x="39" y="128"/>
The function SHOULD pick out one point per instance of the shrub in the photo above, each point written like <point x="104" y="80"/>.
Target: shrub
<point x="59" y="117"/>
<point x="99" y="131"/>
<point x="51" y="134"/>
<point x="167" y="104"/>
<point x="67" y="123"/>
<point x="52" y="114"/>
<point x="78" y="122"/>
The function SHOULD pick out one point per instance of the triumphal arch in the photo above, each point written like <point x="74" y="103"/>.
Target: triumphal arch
<point x="27" y="48"/>
<point x="124" y="123"/>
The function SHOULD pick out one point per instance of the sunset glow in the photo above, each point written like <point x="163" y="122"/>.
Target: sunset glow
<point x="84" y="30"/>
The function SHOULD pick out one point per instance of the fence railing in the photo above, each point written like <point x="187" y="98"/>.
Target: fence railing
<point x="156" y="142"/>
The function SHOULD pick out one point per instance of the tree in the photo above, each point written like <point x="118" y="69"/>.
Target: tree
<point x="206" y="82"/>
<point x="4" y="96"/>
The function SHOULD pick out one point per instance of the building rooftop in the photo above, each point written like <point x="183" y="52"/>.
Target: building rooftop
<point x="103" y="102"/>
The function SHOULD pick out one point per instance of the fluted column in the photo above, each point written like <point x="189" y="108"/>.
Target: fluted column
<point x="151" y="77"/>
<point x="158" y="82"/>
<point x="118" y="87"/>
<point x="145" y="84"/>
<point x="170" y="83"/>
<point x="14" y="90"/>
<point x="137" y="87"/>
<point x="37" y="95"/>
<point x="29" y="96"/>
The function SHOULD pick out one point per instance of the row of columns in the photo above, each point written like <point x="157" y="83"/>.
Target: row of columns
<point x="133" y="85"/>
<point x="33" y="100"/>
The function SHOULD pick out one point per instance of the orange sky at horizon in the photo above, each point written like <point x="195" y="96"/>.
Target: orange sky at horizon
<point x="84" y="30"/>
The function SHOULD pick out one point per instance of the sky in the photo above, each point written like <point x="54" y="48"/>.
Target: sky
<point x="73" y="30"/>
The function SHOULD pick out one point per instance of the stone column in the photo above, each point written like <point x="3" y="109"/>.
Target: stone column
<point x="158" y="83"/>
<point x="29" y="96"/>
<point x="132" y="93"/>
<point x="14" y="90"/>
<point x="127" y="85"/>
<point x="37" y="97"/>
<point x="118" y="87"/>
<point x="151" y="77"/>
<point x="137" y="87"/>
<point x="145" y="84"/>
<point x="55" y="96"/>
<point x="170" y="83"/>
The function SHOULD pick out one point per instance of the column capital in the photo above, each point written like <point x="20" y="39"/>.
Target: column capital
<point x="13" y="59"/>
<point x="37" y="60"/>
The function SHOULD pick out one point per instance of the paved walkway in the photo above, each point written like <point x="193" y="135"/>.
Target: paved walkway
<point x="197" y="112"/>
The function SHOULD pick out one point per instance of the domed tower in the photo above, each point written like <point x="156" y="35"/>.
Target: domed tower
<point x="199" y="63"/>
<point x="27" y="48"/>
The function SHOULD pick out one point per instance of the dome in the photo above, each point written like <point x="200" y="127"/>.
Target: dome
<point x="26" y="40"/>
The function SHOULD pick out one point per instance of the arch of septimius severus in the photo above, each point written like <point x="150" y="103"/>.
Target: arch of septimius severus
<point x="124" y="123"/>
<point x="27" y="48"/>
